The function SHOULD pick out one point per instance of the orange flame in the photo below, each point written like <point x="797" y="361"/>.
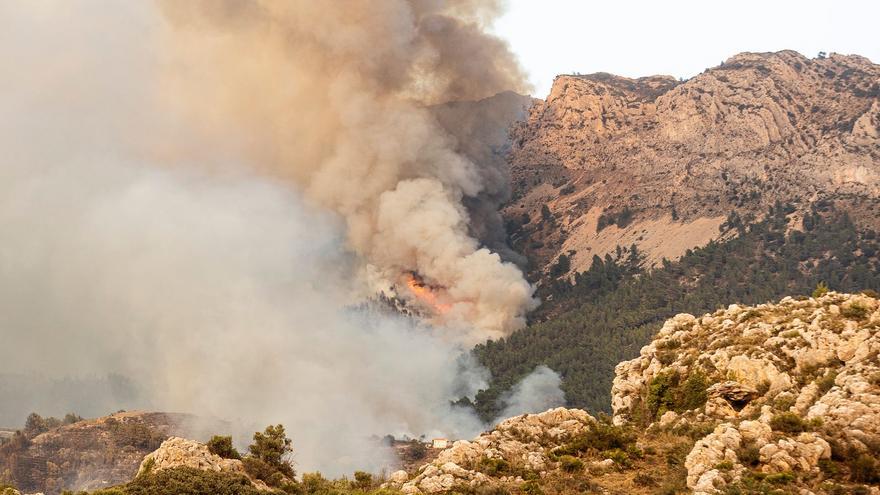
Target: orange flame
<point x="426" y="295"/>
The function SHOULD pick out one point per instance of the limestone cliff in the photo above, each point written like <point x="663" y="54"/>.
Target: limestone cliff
<point x="662" y="163"/>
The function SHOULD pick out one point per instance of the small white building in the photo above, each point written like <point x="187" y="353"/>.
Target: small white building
<point x="439" y="443"/>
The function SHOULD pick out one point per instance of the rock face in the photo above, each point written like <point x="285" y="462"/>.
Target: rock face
<point x="89" y="454"/>
<point x="791" y="382"/>
<point x="179" y="452"/>
<point x="523" y="442"/>
<point x="682" y="155"/>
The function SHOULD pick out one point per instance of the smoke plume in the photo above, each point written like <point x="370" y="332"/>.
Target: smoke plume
<point x="193" y="198"/>
<point x="538" y="391"/>
<point x="334" y="98"/>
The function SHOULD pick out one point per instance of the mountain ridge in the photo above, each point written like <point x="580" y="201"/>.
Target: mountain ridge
<point x="674" y="158"/>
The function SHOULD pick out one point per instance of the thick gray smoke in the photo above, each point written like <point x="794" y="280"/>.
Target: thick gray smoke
<point x="136" y="244"/>
<point x="333" y="96"/>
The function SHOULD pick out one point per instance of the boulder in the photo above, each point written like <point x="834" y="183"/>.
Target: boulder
<point x="180" y="452"/>
<point x="523" y="441"/>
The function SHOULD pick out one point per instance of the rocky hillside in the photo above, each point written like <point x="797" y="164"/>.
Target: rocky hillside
<point x="768" y="399"/>
<point x="791" y="392"/>
<point x="176" y="453"/>
<point x="606" y="161"/>
<point x="774" y="398"/>
<point x="88" y="454"/>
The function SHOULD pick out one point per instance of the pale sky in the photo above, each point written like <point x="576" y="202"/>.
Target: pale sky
<point x="678" y="37"/>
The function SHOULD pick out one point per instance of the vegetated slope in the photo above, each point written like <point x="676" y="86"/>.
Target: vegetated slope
<point x="86" y="454"/>
<point x="775" y="398"/>
<point x="606" y="161"/>
<point x="616" y="307"/>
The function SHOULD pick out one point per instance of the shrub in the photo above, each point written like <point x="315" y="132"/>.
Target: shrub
<point x="665" y="357"/>
<point x="36" y="424"/>
<point x="865" y="469"/>
<point x="829" y="468"/>
<point x="644" y="479"/>
<point x="315" y="483"/>
<point x="532" y="488"/>
<point x="416" y="451"/>
<point x="570" y="464"/>
<point x="695" y="430"/>
<point x="783" y="402"/>
<point x="561" y="267"/>
<point x="659" y="398"/>
<point x="222" y="446"/>
<point x="820" y="290"/>
<point x="855" y="311"/>
<point x="363" y="480"/>
<point x="605" y="219"/>
<point x="148" y="466"/>
<point x="185" y="481"/>
<point x="693" y="392"/>
<point x="601" y="436"/>
<point x="273" y="448"/>
<point x="669" y="344"/>
<point x="788" y="422"/>
<point x="749" y="456"/>
<point x="494" y="467"/>
<point x="783" y="478"/>
<point x="71" y="418"/>
<point x="624" y="218"/>
<point x="826" y="382"/>
<point x="619" y="457"/>
<point x="666" y="392"/>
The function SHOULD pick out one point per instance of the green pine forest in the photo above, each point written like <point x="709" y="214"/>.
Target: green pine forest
<point x="615" y="308"/>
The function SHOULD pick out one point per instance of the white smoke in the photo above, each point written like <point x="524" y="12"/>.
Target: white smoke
<point x="538" y="391"/>
<point x="333" y="96"/>
<point x="133" y="243"/>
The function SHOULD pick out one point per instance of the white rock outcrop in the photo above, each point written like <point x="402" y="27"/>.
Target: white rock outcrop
<point x="523" y="441"/>
<point x="181" y="452"/>
<point x="813" y="358"/>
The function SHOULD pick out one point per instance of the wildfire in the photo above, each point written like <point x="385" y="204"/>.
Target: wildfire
<point x="425" y="294"/>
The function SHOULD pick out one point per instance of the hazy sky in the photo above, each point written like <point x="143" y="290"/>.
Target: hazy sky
<point x="680" y="37"/>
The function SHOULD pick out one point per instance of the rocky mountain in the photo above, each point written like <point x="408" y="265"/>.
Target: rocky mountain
<point x="607" y="161"/>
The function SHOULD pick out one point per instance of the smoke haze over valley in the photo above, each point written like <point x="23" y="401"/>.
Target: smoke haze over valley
<point x="197" y="240"/>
